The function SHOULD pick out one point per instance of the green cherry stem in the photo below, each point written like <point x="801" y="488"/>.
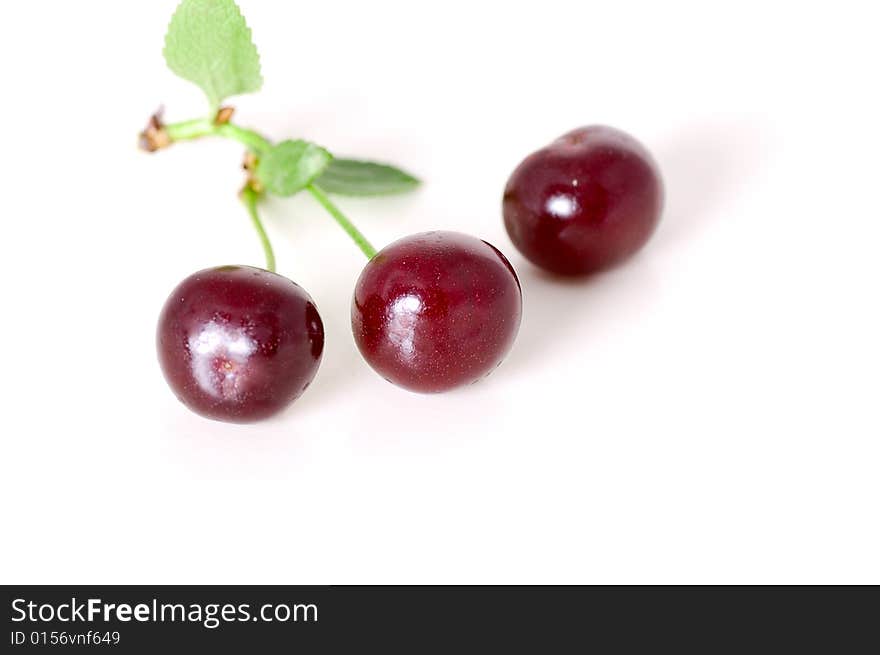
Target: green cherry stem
<point x="361" y="241"/>
<point x="258" y="144"/>
<point x="200" y="127"/>
<point x="250" y="198"/>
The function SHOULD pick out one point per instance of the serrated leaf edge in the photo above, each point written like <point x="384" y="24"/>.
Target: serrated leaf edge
<point x="215" y="105"/>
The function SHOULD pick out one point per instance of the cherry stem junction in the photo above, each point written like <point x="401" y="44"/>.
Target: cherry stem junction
<point x="258" y="145"/>
<point x="207" y="127"/>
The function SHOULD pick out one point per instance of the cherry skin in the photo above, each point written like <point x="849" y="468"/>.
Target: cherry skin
<point x="436" y="310"/>
<point x="238" y="343"/>
<point x="587" y="201"/>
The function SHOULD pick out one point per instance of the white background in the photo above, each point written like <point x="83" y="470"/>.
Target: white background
<point x="705" y="413"/>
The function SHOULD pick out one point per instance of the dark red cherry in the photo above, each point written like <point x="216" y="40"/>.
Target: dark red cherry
<point x="585" y="202"/>
<point x="436" y="310"/>
<point x="238" y="343"/>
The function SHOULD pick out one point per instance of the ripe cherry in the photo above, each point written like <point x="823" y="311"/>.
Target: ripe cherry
<point x="238" y="343"/>
<point x="436" y="310"/>
<point x="585" y="202"/>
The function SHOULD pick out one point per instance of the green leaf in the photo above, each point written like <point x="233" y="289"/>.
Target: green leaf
<point x="349" y="177"/>
<point x="209" y="44"/>
<point x="290" y="166"/>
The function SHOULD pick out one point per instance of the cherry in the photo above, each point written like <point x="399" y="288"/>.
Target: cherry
<point x="436" y="310"/>
<point x="585" y="202"/>
<point x="238" y="343"/>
